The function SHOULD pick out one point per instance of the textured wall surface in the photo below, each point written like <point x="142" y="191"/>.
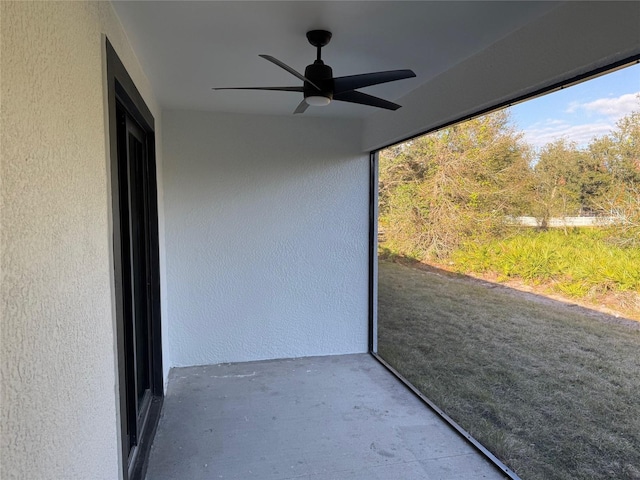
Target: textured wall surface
<point x="572" y="39"/>
<point x="58" y="406"/>
<point x="267" y="234"/>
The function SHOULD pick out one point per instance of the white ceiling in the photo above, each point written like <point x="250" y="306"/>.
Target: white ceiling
<point x="186" y="48"/>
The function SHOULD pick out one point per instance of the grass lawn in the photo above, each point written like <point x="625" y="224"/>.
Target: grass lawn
<point x="553" y="390"/>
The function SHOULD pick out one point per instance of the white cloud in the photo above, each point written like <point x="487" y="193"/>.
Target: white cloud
<point x="615" y="107"/>
<point x="604" y="113"/>
<point x="542" y="133"/>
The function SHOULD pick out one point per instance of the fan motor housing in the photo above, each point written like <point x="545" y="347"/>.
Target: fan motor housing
<point x="322" y="76"/>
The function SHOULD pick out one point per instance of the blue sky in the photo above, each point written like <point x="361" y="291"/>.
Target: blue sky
<point x="581" y="112"/>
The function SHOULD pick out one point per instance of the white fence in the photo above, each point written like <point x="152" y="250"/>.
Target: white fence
<point x="561" y="222"/>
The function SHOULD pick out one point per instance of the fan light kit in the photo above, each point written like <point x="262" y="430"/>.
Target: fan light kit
<point x="317" y="101"/>
<point x="320" y="86"/>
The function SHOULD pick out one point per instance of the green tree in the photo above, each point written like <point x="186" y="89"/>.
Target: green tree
<point x="595" y="181"/>
<point x="556" y="195"/>
<point x="568" y="181"/>
<point x="452" y="185"/>
<point x="619" y="152"/>
<point x="622" y="156"/>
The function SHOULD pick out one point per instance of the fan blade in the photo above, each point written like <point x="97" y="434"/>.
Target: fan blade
<point x="288" y="69"/>
<point x="280" y="89"/>
<point x="352" y="82"/>
<point x="302" y="106"/>
<point x="364" y="99"/>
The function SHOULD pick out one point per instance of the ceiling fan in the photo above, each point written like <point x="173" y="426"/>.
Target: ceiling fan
<point x="320" y="86"/>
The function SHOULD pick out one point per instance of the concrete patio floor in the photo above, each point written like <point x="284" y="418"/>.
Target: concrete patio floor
<point x="318" y="418"/>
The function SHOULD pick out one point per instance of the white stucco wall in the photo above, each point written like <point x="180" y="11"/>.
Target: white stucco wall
<point x="267" y="233"/>
<point x="572" y="39"/>
<point x="58" y="406"/>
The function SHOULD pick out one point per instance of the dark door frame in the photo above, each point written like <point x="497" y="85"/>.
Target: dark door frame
<point x="122" y="92"/>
